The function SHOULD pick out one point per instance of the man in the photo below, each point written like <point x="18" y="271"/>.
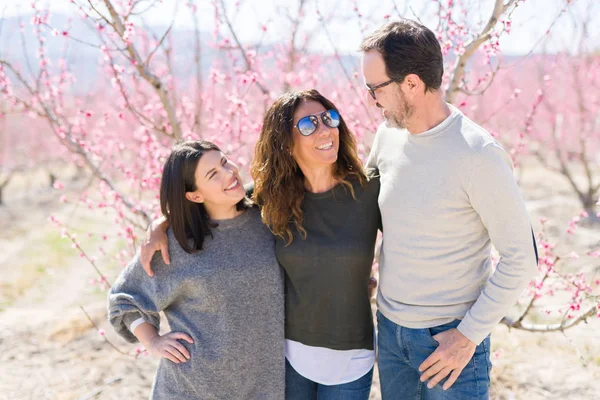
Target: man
<point x="447" y="194"/>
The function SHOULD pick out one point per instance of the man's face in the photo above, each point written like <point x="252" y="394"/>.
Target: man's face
<point x="391" y="99"/>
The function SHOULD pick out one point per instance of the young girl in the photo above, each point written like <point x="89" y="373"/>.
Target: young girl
<point x="222" y="293"/>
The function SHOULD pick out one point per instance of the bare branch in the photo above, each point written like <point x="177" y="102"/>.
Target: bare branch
<point x="291" y="64"/>
<point x="537" y="43"/>
<point x="197" y="61"/>
<point x="71" y="37"/>
<point x="100" y="389"/>
<point x="564" y="169"/>
<point x="542" y="160"/>
<point x="262" y="88"/>
<point x="24" y="49"/>
<point x="463" y="88"/>
<point x="148" y="8"/>
<point x="6" y="180"/>
<point x="103" y="336"/>
<point x="159" y="44"/>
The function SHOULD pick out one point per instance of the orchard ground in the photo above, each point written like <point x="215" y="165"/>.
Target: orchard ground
<point x="50" y="350"/>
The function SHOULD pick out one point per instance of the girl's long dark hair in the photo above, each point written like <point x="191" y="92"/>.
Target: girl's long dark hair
<point x="189" y="221"/>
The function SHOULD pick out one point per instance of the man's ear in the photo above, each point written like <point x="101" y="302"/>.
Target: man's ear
<point x="194" y="197"/>
<point x="413" y="83"/>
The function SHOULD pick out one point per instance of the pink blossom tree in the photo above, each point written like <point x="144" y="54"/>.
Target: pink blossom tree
<point x="152" y="89"/>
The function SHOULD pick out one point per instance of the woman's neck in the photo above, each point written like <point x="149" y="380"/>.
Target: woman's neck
<point x="217" y="213"/>
<point x="319" y="180"/>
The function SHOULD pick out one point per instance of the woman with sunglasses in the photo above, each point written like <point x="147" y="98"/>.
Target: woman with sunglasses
<point x="322" y="208"/>
<point x="316" y="199"/>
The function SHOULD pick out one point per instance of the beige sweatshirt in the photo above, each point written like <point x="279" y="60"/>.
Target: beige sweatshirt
<point x="446" y="196"/>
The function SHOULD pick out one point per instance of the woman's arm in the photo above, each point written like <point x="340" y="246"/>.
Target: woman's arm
<point x="156" y="240"/>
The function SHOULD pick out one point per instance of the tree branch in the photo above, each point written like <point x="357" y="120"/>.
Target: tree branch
<point x="144" y="71"/>
<point x="262" y="88"/>
<point x="72" y="144"/>
<point x="147" y="62"/>
<point x="566" y="324"/>
<point x="461" y="63"/>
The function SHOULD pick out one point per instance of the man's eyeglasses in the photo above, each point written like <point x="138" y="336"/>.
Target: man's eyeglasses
<point x="374" y="88"/>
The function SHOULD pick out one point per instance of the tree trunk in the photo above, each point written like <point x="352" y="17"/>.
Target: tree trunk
<point x="589" y="205"/>
<point x="3" y="184"/>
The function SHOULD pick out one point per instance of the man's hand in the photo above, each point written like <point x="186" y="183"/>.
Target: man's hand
<point x="156" y="240"/>
<point x="451" y="357"/>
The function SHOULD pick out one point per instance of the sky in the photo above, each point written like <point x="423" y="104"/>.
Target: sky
<point x="531" y="19"/>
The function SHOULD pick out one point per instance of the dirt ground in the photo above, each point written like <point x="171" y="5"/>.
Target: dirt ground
<point x="50" y="350"/>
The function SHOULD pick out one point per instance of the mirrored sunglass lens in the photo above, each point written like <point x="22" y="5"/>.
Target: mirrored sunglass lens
<point x="331" y="118"/>
<point x="306" y="126"/>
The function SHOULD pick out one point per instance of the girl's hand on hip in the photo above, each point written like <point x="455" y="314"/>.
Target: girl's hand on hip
<point x="168" y="346"/>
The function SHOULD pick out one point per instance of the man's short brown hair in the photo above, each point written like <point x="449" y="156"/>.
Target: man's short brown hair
<point x="407" y="48"/>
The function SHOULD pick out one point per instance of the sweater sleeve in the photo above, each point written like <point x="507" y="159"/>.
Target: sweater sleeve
<point x="496" y="197"/>
<point x="136" y="295"/>
<point x="372" y="159"/>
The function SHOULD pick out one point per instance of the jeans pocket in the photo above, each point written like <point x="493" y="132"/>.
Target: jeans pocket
<point x="443" y="328"/>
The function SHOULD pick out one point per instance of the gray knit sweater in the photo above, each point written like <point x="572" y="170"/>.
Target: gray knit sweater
<point x="228" y="298"/>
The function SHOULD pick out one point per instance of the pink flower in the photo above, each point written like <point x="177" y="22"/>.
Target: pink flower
<point x="101" y="332"/>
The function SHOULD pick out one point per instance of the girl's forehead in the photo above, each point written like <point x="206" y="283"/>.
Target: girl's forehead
<point x="209" y="160"/>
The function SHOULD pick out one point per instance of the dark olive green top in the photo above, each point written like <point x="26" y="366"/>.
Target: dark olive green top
<point x="326" y="275"/>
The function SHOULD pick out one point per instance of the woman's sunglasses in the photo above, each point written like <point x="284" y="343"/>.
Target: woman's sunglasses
<point x="309" y="124"/>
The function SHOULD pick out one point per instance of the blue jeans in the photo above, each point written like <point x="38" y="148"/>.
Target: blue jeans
<point x="298" y="387"/>
<point x="402" y="350"/>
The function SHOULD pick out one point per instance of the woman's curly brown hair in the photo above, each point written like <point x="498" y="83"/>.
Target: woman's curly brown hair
<point x="278" y="181"/>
